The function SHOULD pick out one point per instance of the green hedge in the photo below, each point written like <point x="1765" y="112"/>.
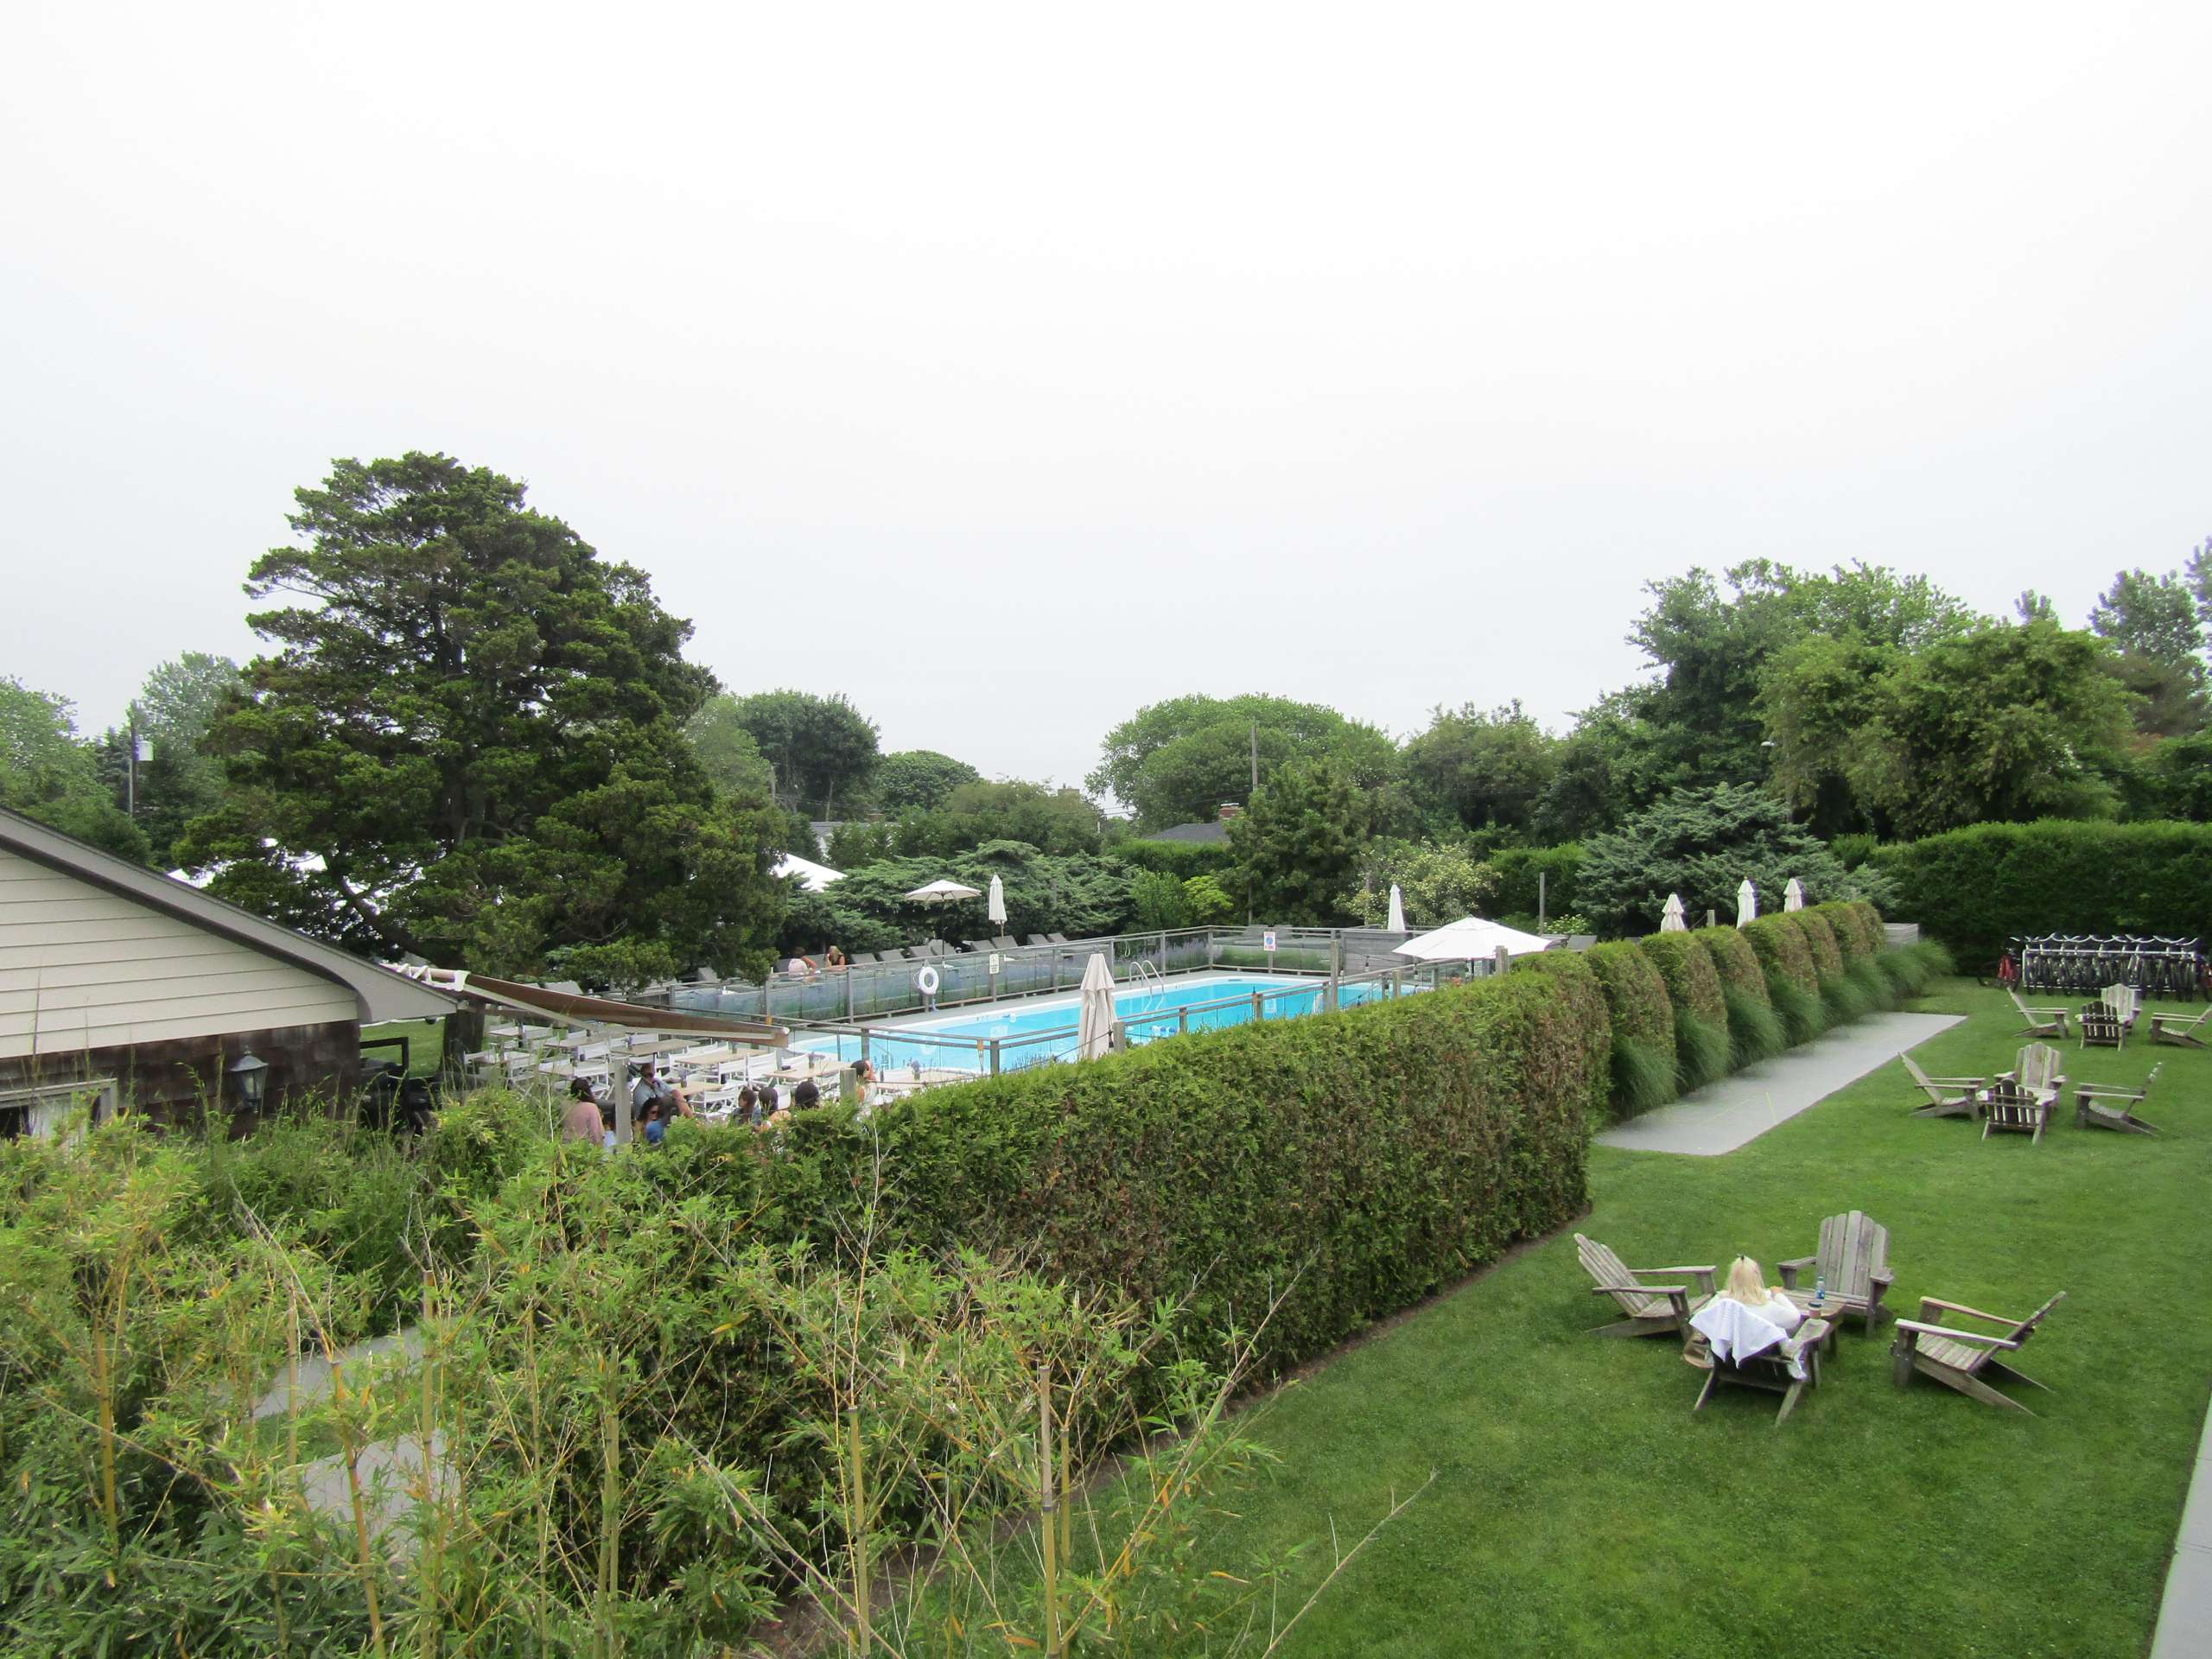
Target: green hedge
<point x="1975" y="888"/>
<point x="1693" y="982"/>
<point x="1782" y="952"/>
<point x="1849" y="926"/>
<point x="1517" y="868"/>
<point x="1351" y="1163"/>
<point x="1577" y="983"/>
<point x="1820" y="938"/>
<point x="1643" y="1027"/>
<point x="1734" y="959"/>
<point x="1871" y="926"/>
<point x="1180" y="858"/>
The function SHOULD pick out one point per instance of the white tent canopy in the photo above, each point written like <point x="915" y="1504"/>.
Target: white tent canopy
<point x="1471" y="936"/>
<point x="811" y="876"/>
<point x="942" y="892"/>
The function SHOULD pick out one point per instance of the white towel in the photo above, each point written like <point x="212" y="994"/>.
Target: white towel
<point x="1737" y="1332"/>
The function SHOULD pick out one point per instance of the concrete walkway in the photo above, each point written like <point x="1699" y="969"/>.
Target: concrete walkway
<point x="1724" y="1115"/>
<point x="2185" y="1615"/>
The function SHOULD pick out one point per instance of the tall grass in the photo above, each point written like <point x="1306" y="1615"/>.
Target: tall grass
<point x="1843" y="999"/>
<point x="1755" y="1030"/>
<point x="1803" y="1015"/>
<point x="1873" y="984"/>
<point x="1643" y="1077"/>
<point x="1702" y="1051"/>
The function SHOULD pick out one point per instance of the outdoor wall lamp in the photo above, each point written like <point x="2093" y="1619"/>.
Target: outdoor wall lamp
<point x="252" y="1075"/>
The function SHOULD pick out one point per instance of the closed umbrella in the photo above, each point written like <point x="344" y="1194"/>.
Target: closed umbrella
<point x="1095" y="1025"/>
<point x="996" y="908"/>
<point x="1396" y="924"/>
<point x="1747" y="902"/>
<point x="1793" y="896"/>
<point x="1670" y="920"/>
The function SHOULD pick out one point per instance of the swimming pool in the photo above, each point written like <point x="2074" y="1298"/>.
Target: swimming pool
<point x="1161" y="1008"/>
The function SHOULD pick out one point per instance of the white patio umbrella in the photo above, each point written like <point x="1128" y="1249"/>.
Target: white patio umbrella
<point x="1670" y="920"/>
<point x="1793" y="896"/>
<point x="1471" y="938"/>
<point x="1747" y="902"/>
<point x="1397" y="921"/>
<point x="942" y="892"/>
<point x="996" y="908"/>
<point x="1095" y="1025"/>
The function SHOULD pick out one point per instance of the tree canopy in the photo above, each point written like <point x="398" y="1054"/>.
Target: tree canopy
<point x="920" y="778"/>
<point x="46" y="774"/>
<point x="823" y="749"/>
<point x="1478" y="767"/>
<point x="467" y="746"/>
<point x="1297" y="846"/>
<point x="1176" y="762"/>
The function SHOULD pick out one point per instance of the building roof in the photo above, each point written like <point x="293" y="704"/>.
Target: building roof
<point x="382" y="994"/>
<point x="1198" y="832"/>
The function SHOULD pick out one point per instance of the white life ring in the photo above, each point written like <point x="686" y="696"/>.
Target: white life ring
<point x="926" y="981"/>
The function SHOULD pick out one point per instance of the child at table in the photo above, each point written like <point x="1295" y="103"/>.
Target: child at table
<point x="1746" y="1284"/>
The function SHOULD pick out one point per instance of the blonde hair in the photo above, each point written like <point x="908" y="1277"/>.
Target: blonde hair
<point x="1744" y="1283"/>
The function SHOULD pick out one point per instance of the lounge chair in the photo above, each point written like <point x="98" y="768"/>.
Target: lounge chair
<point x="2098" y="1108"/>
<point x="1962" y="1359"/>
<point x="1852" y="1264"/>
<point x="1056" y="939"/>
<point x="2182" y="1031"/>
<point x="2040" y="1022"/>
<point x="1947" y="1096"/>
<point x="976" y="947"/>
<point x="2125" y="1002"/>
<point x="1771" y="1369"/>
<point x="2008" y="1105"/>
<point x="1039" y="939"/>
<point x="861" y="958"/>
<point x="2100" y="1027"/>
<point x="896" y="953"/>
<point x="1651" y="1310"/>
<point x="1006" y="942"/>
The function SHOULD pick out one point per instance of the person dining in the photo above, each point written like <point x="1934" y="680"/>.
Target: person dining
<point x="581" y="1122"/>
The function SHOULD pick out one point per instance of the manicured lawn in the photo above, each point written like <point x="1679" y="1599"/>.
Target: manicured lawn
<point x="424" y="1040"/>
<point x="1581" y="1509"/>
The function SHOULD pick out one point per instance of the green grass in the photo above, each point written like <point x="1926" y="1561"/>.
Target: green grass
<point x="424" y="1040"/>
<point x="1580" y="1509"/>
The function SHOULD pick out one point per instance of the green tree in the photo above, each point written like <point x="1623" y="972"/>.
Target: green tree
<point x="1437" y="884"/>
<point x="178" y="781"/>
<point x="854" y="845"/>
<point x="46" y="774"/>
<point x="1703" y="844"/>
<point x="1297" y="846"/>
<point x="466" y="745"/>
<point x="918" y="779"/>
<point x="1056" y="821"/>
<point x="1157" y="900"/>
<point x="823" y="749"/>
<point x="1176" y="762"/>
<point x="2144" y="615"/>
<point x="1482" y="768"/>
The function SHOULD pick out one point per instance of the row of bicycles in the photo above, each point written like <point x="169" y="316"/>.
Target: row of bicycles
<point x="2085" y="963"/>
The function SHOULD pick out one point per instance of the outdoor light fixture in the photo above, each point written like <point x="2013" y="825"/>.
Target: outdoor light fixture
<point x="251" y="1073"/>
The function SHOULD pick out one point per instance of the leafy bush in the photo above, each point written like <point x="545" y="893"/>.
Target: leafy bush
<point x="1852" y="851"/>
<point x="1820" y="939"/>
<point x="1438" y="883"/>
<point x="1703" y="1050"/>
<point x="1734" y="959"/>
<point x="1577" y="983"/>
<point x="1349" y="1164"/>
<point x="1643" y="1025"/>
<point x="1516" y="870"/>
<point x="1976" y="888"/>
<point x="1157" y="900"/>
<point x="1783" y="950"/>
<point x="1693" y="982"/>
<point x="1180" y="858"/>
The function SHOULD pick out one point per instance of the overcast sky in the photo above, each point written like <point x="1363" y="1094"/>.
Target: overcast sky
<point x="1008" y="369"/>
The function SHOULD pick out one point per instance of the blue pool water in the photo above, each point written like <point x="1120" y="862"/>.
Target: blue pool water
<point x="961" y="1041"/>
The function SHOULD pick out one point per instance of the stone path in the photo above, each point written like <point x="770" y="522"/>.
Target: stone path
<point x="1724" y="1115"/>
<point x="2185" y="1616"/>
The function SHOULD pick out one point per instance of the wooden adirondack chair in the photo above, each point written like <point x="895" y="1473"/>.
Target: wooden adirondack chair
<point x="2036" y="1070"/>
<point x="1651" y="1310"/>
<point x="1947" y="1096"/>
<point x="1853" y="1263"/>
<point x="2040" y="1022"/>
<point x="2181" y="1031"/>
<point x="2100" y="1027"/>
<point x="2096" y="1108"/>
<point x="1962" y="1359"/>
<point x="2009" y="1106"/>
<point x="1769" y="1370"/>
<point x="2125" y="1002"/>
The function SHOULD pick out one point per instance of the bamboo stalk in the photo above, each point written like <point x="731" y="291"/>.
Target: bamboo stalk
<point x="862" y="1637"/>
<point x="1046" y="1506"/>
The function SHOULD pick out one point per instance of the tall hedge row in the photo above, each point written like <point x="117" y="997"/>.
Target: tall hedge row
<point x="1734" y="960"/>
<point x="1576" y="983"/>
<point x="1180" y="858"/>
<point x="1693" y="982"/>
<point x="1517" y="869"/>
<point x="1350" y="1163"/>
<point x="1781" y="951"/>
<point x="1975" y="888"/>
<point x="1635" y="994"/>
<point x="1820" y="938"/>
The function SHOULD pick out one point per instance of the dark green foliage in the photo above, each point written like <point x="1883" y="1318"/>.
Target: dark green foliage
<point x="1578" y="988"/>
<point x="1157" y="900"/>
<point x="1820" y="938"/>
<point x="1734" y="960"/>
<point x="1643" y="1077"/>
<point x="1703" y="844"/>
<point x="1703" y="1051"/>
<point x="1176" y="762"/>
<point x="1873" y="984"/>
<point x="1755" y="1030"/>
<point x="822" y="748"/>
<point x="1517" y="868"/>
<point x="1973" y="889"/>
<point x="1058" y="821"/>
<point x="1692" y="981"/>
<point x="1803" y="1015"/>
<point x="1370" y="1156"/>
<point x="1297" y="845"/>
<point x="1844" y="1000"/>
<point x="917" y="779"/>
<point x="1476" y="768"/>
<point x="1782" y="950"/>
<point x="1181" y="859"/>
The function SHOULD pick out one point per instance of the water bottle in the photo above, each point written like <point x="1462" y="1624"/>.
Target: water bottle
<point x="1820" y="1293"/>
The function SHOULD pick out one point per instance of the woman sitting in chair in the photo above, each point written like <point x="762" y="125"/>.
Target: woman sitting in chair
<point x="1747" y="1289"/>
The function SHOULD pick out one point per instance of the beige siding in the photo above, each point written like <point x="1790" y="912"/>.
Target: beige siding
<point x="81" y="968"/>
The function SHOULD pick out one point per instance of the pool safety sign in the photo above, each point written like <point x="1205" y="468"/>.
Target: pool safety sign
<point x="994" y="964"/>
<point x="1268" y="941"/>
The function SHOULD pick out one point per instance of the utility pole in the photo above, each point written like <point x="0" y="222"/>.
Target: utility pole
<point x="1540" y="901"/>
<point x="130" y="768"/>
<point x="1256" y="759"/>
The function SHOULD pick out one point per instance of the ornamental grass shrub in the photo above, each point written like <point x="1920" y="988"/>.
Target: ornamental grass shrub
<point x="1755" y="1031"/>
<point x="1702" y="1045"/>
<point x="1820" y="939"/>
<point x="1642" y="1026"/>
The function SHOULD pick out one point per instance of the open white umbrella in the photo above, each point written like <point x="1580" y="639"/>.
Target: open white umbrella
<point x="1396" y="922"/>
<point x="1747" y="902"/>
<point x="1671" y="919"/>
<point x="1470" y="938"/>
<point x="996" y="908"/>
<point x="942" y="892"/>
<point x="1095" y="1025"/>
<point x="1793" y="896"/>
